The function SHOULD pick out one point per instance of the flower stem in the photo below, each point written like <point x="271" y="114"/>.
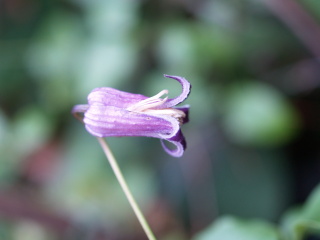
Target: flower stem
<point x="125" y="188"/>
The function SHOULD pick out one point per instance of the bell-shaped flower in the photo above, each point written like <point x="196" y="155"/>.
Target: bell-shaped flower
<point x="115" y="113"/>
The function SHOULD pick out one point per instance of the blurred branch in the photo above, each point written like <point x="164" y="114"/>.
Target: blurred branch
<point x="299" y="20"/>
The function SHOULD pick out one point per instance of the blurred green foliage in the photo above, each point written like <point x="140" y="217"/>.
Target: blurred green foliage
<point x="252" y="140"/>
<point x="296" y="224"/>
<point x="249" y="123"/>
<point x="233" y="229"/>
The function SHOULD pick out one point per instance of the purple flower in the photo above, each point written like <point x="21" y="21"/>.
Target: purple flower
<point x="111" y="112"/>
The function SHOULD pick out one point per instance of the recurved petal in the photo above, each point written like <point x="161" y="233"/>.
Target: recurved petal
<point x="178" y="141"/>
<point x="186" y="87"/>
<point x="105" y="121"/>
<point x="112" y="97"/>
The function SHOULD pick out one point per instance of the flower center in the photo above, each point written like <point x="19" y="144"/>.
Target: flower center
<point x="149" y="106"/>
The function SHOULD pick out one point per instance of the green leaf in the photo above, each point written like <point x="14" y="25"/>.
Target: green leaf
<point x="311" y="209"/>
<point x="299" y="222"/>
<point x="291" y="225"/>
<point x="230" y="228"/>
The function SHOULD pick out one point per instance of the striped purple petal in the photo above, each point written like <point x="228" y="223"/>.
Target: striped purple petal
<point x="106" y="121"/>
<point x="112" y="97"/>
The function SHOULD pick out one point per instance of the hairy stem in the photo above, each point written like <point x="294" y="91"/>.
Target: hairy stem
<point x="125" y="188"/>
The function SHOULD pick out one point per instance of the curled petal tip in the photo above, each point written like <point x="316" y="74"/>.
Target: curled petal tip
<point x="178" y="141"/>
<point x="186" y="88"/>
<point x="177" y="152"/>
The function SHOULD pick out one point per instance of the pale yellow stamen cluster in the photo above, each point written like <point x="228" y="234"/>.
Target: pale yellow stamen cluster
<point x="149" y="106"/>
<point x="151" y="102"/>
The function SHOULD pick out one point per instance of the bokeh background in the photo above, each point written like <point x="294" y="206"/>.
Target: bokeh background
<point x="253" y="153"/>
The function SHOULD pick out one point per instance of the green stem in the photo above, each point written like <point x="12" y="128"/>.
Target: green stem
<point x="125" y="188"/>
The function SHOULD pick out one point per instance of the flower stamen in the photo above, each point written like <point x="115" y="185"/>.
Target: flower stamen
<point x="172" y="112"/>
<point x="148" y="106"/>
<point x="148" y="103"/>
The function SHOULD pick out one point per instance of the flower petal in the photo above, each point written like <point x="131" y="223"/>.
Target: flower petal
<point x="113" y="97"/>
<point x="105" y="121"/>
<point x="180" y="145"/>
<point x="186" y="87"/>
